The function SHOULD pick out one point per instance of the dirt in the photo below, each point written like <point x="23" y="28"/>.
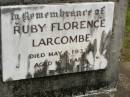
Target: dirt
<point x="123" y="88"/>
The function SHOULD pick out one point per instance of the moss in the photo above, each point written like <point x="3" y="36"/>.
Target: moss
<point x="128" y="58"/>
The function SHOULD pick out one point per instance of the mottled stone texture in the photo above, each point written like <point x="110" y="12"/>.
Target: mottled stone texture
<point x="71" y="84"/>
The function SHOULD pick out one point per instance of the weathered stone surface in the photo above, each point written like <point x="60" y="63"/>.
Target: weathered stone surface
<point x="72" y="84"/>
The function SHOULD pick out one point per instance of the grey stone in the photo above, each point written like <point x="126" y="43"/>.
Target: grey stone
<point x="79" y="83"/>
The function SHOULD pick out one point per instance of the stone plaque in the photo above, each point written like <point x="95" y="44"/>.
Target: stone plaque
<point x="48" y="40"/>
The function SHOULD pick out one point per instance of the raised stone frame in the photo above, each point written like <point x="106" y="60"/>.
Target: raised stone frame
<point x="72" y="84"/>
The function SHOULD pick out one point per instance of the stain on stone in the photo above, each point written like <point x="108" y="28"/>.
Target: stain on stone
<point x="9" y="10"/>
<point x="19" y="59"/>
<point x="41" y="70"/>
<point x="28" y="64"/>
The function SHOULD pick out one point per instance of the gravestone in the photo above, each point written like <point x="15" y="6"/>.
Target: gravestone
<point x="67" y="82"/>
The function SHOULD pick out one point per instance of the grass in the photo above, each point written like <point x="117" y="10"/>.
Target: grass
<point x="126" y="49"/>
